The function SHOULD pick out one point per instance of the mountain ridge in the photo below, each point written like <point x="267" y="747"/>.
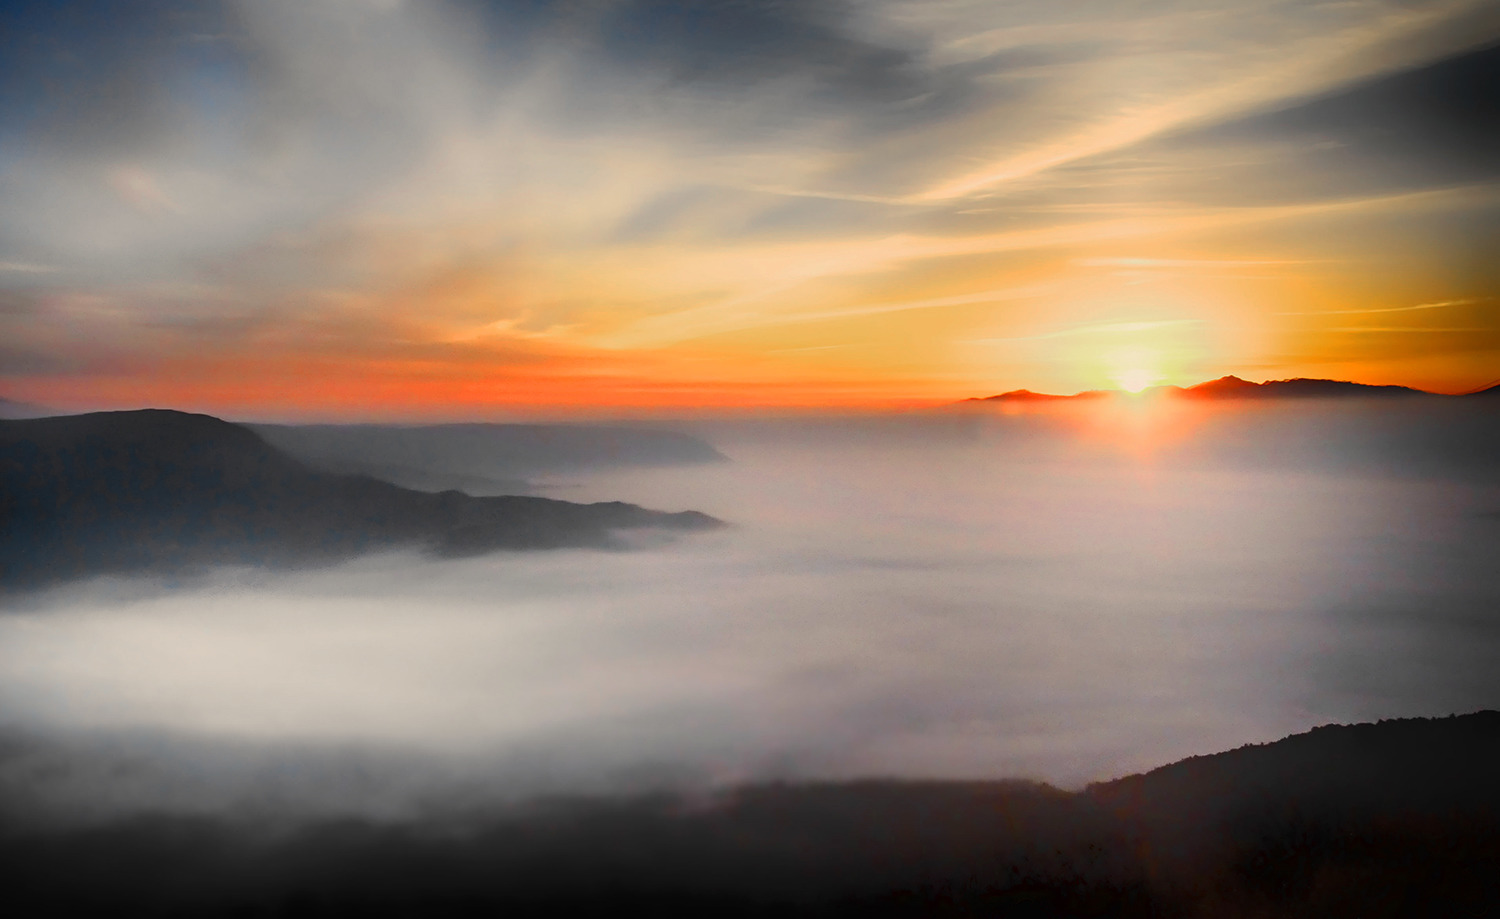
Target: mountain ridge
<point x="1230" y="387"/>
<point x="167" y="491"/>
<point x="1394" y="818"/>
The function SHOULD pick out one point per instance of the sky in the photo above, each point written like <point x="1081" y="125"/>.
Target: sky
<point x="386" y="209"/>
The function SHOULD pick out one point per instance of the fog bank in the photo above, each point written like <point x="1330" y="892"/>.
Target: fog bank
<point x="919" y="598"/>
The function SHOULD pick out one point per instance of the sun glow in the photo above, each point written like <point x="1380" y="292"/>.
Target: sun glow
<point x="1135" y="379"/>
<point x="1135" y="369"/>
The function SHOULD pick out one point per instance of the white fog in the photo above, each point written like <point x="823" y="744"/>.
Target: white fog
<point x="924" y="598"/>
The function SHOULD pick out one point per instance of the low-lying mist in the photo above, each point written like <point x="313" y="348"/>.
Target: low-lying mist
<point x="1066" y="598"/>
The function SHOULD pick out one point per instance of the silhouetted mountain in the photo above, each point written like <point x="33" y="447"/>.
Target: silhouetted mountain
<point x="1026" y="395"/>
<point x="1232" y="387"/>
<point x="1224" y="387"/>
<point x="1229" y="387"/>
<point x="490" y="458"/>
<point x="1399" y="818"/>
<point x="1395" y="818"/>
<point x="167" y="491"/>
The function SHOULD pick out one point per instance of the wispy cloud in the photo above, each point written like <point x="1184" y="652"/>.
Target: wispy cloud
<point x="674" y="183"/>
<point x="1103" y="328"/>
<point x="1416" y="330"/>
<point x="1186" y="262"/>
<point x="794" y="265"/>
<point x="1386" y="309"/>
<point x="1299" y="68"/>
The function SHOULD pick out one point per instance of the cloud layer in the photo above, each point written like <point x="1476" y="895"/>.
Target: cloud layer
<point x="485" y="204"/>
<point x="1067" y="597"/>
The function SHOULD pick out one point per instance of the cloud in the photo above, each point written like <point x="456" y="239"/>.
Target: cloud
<point x="1205" y="263"/>
<point x="1106" y="328"/>
<point x="892" y="619"/>
<point x="1387" y="309"/>
<point x="1425" y="127"/>
<point x="1297" y="65"/>
<point x="789" y="266"/>
<point x="650" y="174"/>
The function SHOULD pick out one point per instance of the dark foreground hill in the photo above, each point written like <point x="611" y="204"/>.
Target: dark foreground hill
<point x="1400" y="818"/>
<point x="164" y="491"/>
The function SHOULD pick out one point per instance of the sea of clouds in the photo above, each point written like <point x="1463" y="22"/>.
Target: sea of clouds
<point x="954" y="597"/>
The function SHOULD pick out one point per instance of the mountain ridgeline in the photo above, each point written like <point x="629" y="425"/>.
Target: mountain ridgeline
<point x="1292" y="425"/>
<point x="159" y="491"/>
<point x="1232" y="388"/>
<point x="1399" y="818"/>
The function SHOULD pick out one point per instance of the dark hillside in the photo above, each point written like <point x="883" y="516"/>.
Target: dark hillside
<point x="1393" y="819"/>
<point x="1389" y="819"/>
<point x="166" y="491"/>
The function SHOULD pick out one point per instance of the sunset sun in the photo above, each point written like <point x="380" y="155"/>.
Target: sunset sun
<point x="1135" y="368"/>
<point x="1135" y="379"/>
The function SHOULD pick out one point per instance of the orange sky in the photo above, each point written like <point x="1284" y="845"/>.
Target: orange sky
<point x="361" y="209"/>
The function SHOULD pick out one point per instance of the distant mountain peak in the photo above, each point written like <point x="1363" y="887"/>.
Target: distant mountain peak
<point x="1228" y="383"/>
<point x="1233" y="387"/>
<point x="1026" y="395"/>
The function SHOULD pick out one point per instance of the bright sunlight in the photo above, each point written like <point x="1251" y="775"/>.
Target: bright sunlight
<point x="1135" y="379"/>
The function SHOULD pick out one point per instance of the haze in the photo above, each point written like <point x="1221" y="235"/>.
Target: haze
<point x="1068" y="595"/>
